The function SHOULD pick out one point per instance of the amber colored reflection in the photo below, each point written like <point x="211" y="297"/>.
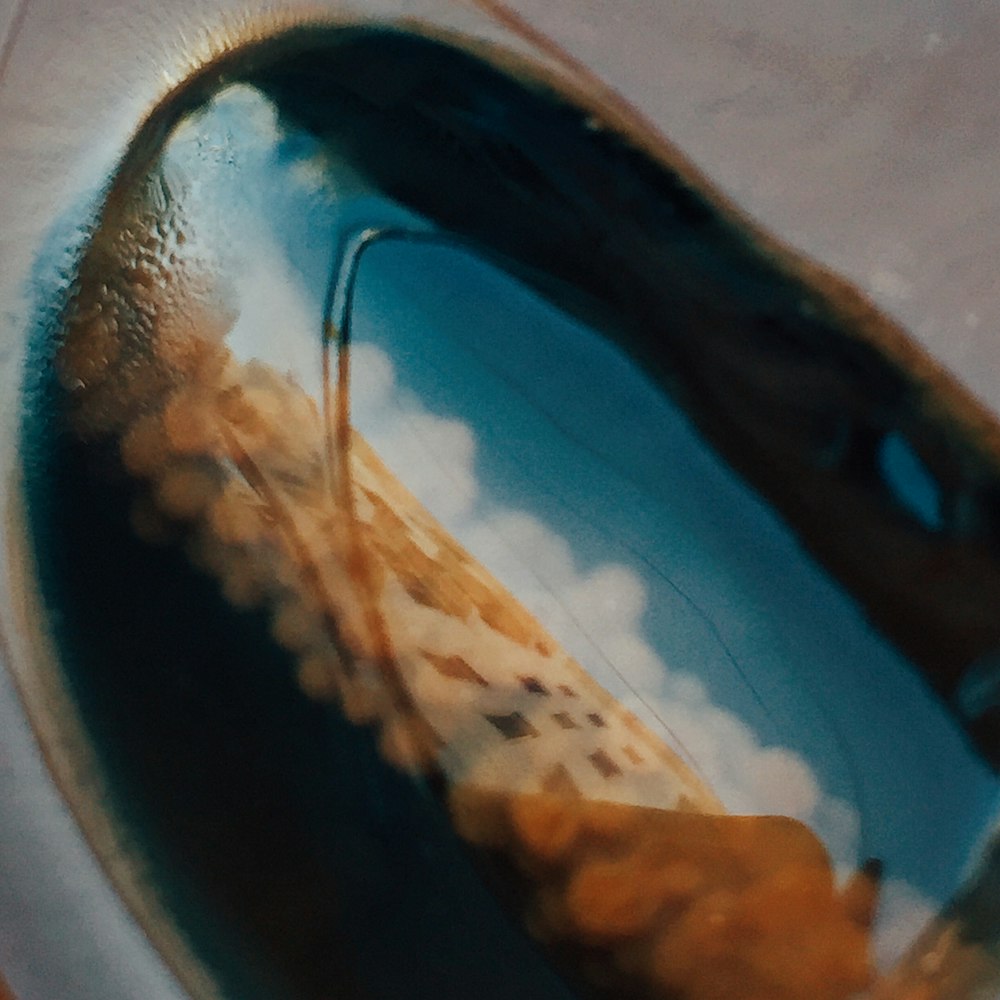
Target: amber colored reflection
<point x="677" y="904"/>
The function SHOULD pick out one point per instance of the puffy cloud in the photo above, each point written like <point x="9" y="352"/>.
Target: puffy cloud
<point x="312" y="175"/>
<point x="439" y="454"/>
<point x="684" y="687"/>
<point x="903" y="913"/>
<point x="239" y="124"/>
<point x="275" y="325"/>
<point x="511" y="541"/>
<point x="635" y="659"/>
<point x="251" y="111"/>
<point x="610" y="599"/>
<point x="747" y="774"/>
<point x="784" y="783"/>
<point x="434" y="457"/>
<point x="323" y="176"/>
<point x="372" y="380"/>
<point x="839" y="824"/>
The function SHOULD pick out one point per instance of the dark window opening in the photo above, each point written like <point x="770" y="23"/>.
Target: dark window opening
<point x="534" y="685"/>
<point x="565" y="720"/>
<point x="604" y="765"/>
<point x="513" y="726"/>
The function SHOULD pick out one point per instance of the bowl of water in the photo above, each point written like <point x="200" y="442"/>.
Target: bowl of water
<point x="482" y="519"/>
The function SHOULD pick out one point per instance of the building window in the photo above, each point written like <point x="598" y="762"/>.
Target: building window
<point x="604" y="765"/>
<point x="565" y="720"/>
<point x="455" y="668"/>
<point x="513" y="727"/>
<point x="534" y="685"/>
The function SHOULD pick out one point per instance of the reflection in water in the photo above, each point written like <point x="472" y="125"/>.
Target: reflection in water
<point x="626" y="860"/>
<point x="601" y="833"/>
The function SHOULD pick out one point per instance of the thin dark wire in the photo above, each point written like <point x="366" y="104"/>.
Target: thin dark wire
<point x="502" y="14"/>
<point x="343" y="286"/>
<point x="848" y="758"/>
<point x="369" y="237"/>
<point x="853" y="772"/>
<point x="583" y="445"/>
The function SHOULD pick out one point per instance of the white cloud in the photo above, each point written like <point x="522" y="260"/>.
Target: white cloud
<point x="437" y="456"/>
<point x="597" y="616"/>
<point x="783" y="780"/>
<point x="311" y="174"/>
<point x="512" y="540"/>
<point x="902" y="915"/>
<point x="255" y="115"/>
<point x="684" y="687"/>
<point x="323" y="176"/>
<point x="839" y="825"/>
<point x="217" y="145"/>
<point x="372" y="380"/>
<point x="610" y="599"/>
<point x="275" y="325"/>
<point x="635" y="658"/>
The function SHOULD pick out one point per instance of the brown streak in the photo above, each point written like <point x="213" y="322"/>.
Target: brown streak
<point x="400" y="697"/>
